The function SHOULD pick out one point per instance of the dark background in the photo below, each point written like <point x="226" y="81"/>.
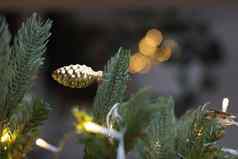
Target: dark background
<point x="203" y="68"/>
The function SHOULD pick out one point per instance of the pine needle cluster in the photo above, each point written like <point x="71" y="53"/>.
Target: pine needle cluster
<point x="21" y="114"/>
<point x="114" y="83"/>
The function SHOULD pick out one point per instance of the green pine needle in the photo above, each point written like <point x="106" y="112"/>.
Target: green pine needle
<point x="136" y="114"/>
<point x="5" y="38"/>
<point x="113" y="86"/>
<point x="26" y="57"/>
<point x="196" y="135"/>
<point x="159" y="139"/>
<point x="20" y="119"/>
<point x="29" y="115"/>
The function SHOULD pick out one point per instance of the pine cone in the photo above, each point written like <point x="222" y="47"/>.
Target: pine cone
<point x="76" y="76"/>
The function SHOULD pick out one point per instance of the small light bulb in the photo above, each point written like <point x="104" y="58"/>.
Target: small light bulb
<point x="146" y="48"/>
<point x="43" y="144"/>
<point x="225" y="104"/>
<point x="92" y="127"/>
<point x="95" y="128"/>
<point x="154" y="37"/>
<point x="7" y="136"/>
<point x="139" y="63"/>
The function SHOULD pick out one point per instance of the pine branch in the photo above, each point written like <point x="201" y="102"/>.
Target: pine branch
<point x="166" y="122"/>
<point x="29" y="115"/>
<point x="23" y="145"/>
<point x="25" y="121"/>
<point x="137" y="114"/>
<point x="20" y="119"/>
<point x="5" y="38"/>
<point x="196" y="135"/>
<point x="97" y="147"/>
<point x="158" y="141"/>
<point x="110" y="91"/>
<point x="113" y="86"/>
<point x="26" y="57"/>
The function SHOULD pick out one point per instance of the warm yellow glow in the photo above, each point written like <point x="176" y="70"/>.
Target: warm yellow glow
<point x="163" y="54"/>
<point x="92" y="127"/>
<point x="81" y="116"/>
<point x="89" y="127"/>
<point x="7" y="136"/>
<point x="139" y="63"/>
<point x="98" y="129"/>
<point x="85" y="124"/>
<point x="4" y="138"/>
<point x="148" y="67"/>
<point x="43" y="144"/>
<point x="154" y="37"/>
<point x="146" y="47"/>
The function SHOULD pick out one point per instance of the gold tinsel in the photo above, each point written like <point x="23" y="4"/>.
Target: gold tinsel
<point x="76" y="76"/>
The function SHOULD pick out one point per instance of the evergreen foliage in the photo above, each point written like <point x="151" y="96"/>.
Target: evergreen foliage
<point x="26" y="56"/>
<point x="148" y="123"/>
<point x="21" y="114"/>
<point x="111" y="91"/>
<point x="113" y="86"/>
<point x="151" y="128"/>
<point x="159" y="135"/>
<point x="196" y="135"/>
<point x="5" y="38"/>
<point x="133" y="112"/>
<point x="144" y="124"/>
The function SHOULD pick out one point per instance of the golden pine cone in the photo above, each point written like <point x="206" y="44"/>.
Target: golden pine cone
<point x="76" y="76"/>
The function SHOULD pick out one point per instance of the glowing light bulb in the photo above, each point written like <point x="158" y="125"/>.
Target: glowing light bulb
<point x="225" y="104"/>
<point x="147" y="48"/>
<point x="97" y="129"/>
<point x="43" y="144"/>
<point x="154" y="37"/>
<point x="5" y="138"/>
<point x="139" y="63"/>
<point x="93" y="127"/>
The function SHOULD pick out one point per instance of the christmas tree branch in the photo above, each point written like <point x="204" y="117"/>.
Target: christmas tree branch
<point x="26" y="57"/>
<point x="113" y="86"/>
<point x="21" y="115"/>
